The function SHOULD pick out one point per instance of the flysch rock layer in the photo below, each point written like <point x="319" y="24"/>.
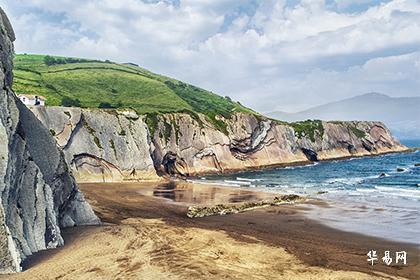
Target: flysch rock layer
<point x="253" y="142"/>
<point x="112" y="145"/>
<point x="101" y="145"/>
<point x="38" y="194"/>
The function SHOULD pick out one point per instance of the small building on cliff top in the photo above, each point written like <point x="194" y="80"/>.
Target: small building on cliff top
<point x="34" y="100"/>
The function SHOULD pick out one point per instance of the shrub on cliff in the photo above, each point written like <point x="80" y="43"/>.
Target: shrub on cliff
<point x="69" y="102"/>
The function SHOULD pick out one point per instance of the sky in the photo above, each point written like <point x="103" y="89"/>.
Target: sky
<point x="269" y="55"/>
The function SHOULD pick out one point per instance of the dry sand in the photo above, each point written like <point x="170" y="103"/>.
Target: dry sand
<point x="149" y="237"/>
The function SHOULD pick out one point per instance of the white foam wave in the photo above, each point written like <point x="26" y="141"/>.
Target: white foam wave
<point x="348" y="181"/>
<point x="301" y="166"/>
<point x="391" y="189"/>
<point x="387" y="191"/>
<point x="247" y="179"/>
<point x="366" y="190"/>
<point x="243" y="183"/>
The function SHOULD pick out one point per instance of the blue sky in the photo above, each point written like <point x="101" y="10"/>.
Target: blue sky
<point x="270" y="55"/>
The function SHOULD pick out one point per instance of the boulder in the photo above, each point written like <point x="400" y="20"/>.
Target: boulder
<point x="383" y="175"/>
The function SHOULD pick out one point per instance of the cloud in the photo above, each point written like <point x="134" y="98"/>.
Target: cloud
<point x="267" y="54"/>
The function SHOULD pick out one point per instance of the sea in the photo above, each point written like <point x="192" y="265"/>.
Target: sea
<point x="377" y="196"/>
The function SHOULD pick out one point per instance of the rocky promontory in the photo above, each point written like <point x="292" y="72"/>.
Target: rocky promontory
<point x="38" y="194"/>
<point x="120" y="145"/>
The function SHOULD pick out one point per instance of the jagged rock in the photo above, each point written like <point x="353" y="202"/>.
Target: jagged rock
<point x="174" y="165"/>
<point x="38" y="195"/>
<point x="383" y="175"/>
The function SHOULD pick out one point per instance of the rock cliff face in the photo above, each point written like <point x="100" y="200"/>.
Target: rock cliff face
<point x="252" y="142"/>
<point x="38" y="194"/>
<point x="118" y="145"/>
<point x="101" y="145"/>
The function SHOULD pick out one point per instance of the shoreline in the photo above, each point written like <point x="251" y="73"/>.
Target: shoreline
<point x="300" y="163"/>
<point x="151" y="223"/>
<point x="165" y="179"/>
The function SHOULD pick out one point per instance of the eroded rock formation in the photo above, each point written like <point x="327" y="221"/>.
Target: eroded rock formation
<point x="101" y="145"/>
<point x="113" y="145"/>
<point x="254" y="142"/>
<point x="38" y="194"/>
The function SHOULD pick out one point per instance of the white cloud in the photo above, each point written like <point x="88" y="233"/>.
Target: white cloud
<point x="269" y="56"/>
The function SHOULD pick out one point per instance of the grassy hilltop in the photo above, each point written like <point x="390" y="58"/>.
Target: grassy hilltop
<point x="75" y="82"/>
<point x="104" y="84"/>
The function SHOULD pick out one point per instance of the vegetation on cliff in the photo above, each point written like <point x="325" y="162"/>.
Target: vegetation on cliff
<point x="310" y="128"/>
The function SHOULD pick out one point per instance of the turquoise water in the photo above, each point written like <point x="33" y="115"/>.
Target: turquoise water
<point x="368" y="195"/>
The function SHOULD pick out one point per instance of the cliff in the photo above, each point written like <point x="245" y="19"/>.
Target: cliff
<point x="38" y="194"/>
<point x="253" y="142"/>
<point x="117" y="145"/>
<point x="101" y="145"/>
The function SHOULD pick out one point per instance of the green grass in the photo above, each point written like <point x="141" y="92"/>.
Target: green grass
<point x="358" y="132"/>
<point x="310" y="128"/>
<point x="90" y="83"/>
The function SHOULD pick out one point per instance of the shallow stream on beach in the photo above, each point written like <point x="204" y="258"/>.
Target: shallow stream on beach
<point x="378" y="196"/>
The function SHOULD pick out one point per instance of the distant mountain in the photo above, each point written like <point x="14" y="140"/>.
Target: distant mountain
<point x="402" y="114"/>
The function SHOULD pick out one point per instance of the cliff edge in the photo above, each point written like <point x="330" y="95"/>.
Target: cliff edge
<point x="120" y="145"/>
<point x="38" y="194"/>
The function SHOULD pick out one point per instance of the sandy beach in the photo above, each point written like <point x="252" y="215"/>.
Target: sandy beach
<point x="147" y="235"/>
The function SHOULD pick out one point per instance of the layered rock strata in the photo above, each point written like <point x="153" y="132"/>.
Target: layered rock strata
<point x="38" y="194"/>
<point x="118" y="145"/>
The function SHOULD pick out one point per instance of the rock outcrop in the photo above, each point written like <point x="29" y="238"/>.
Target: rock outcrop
<point x="113" y="145"/>
<point x="101" y="145"/>
<point x="38" y="194"/>
<point x="255" y="142"/>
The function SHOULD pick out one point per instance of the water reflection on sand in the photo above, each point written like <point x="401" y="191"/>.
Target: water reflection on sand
<point x="190" y="193"/>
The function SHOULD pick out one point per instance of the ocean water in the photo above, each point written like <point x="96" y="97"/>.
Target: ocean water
<point x="367" y="195"/>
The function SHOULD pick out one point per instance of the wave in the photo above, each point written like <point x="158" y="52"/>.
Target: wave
<point x="386" y="191"/>
<point x="242" y="183"/>
<point x="349" y="180"/>
<point x="366" y="190"/>
<point x="247" y="179"/>
<point x="391" y="189"/>
<point x="300" y="166"/>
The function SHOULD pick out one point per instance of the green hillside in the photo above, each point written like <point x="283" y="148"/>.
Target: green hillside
<point x="104" y="84"/>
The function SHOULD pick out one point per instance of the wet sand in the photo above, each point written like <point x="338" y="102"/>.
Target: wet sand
<point x="147" y="235"/>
